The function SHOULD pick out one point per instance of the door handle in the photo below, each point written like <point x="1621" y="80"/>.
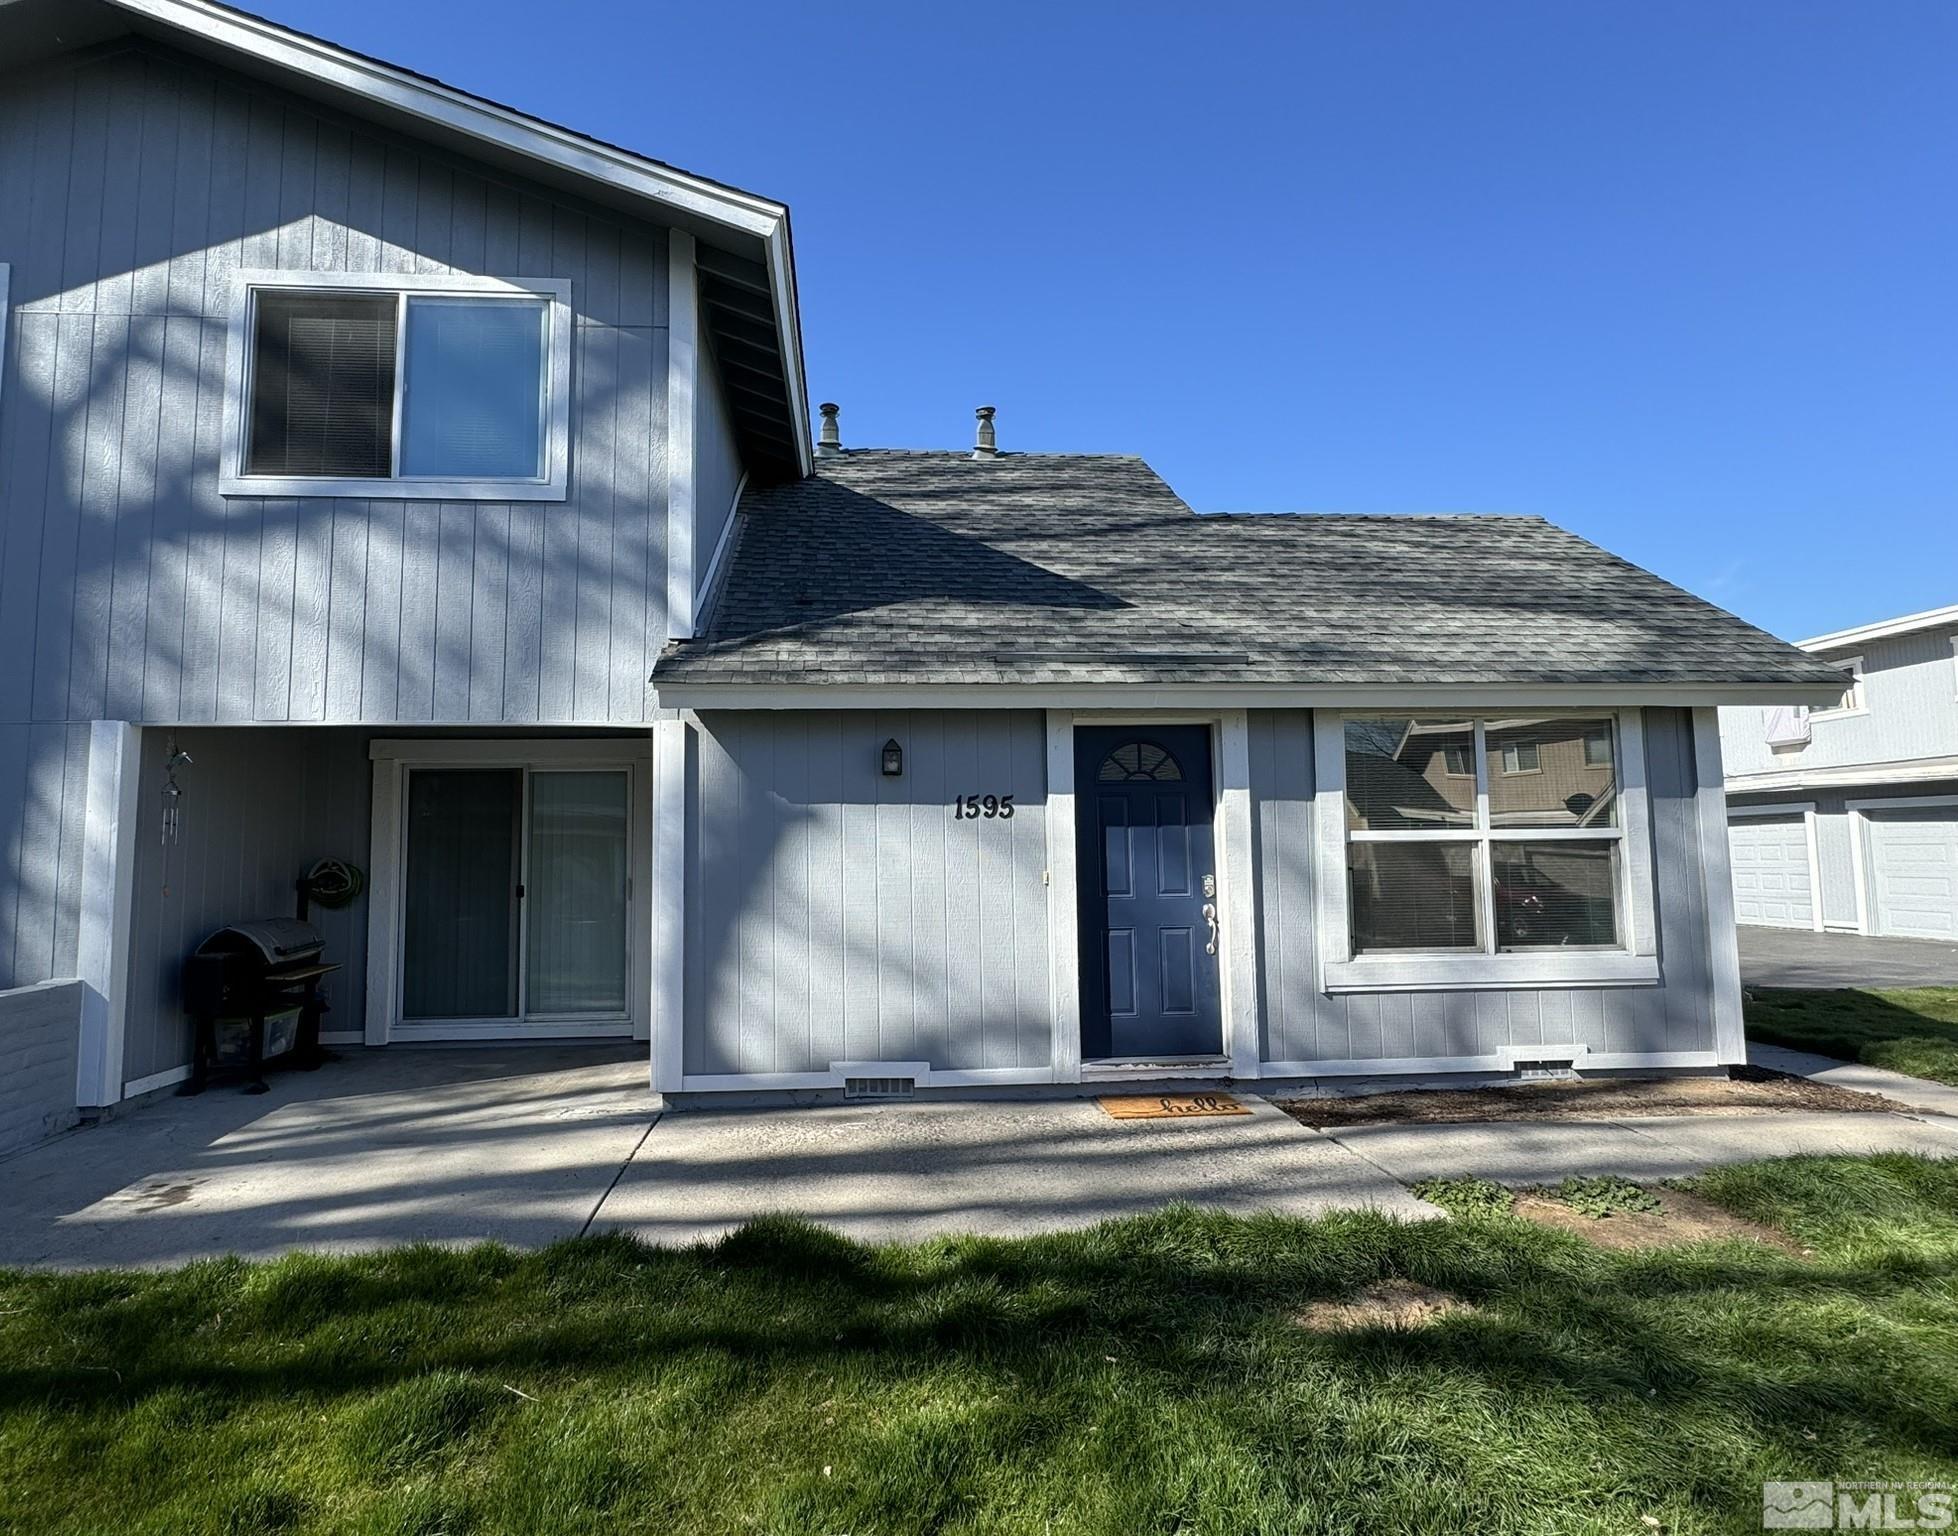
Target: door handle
<point x="1210" y="917"/>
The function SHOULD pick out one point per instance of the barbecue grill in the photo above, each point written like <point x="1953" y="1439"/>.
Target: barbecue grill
<point x="255" y="985"/>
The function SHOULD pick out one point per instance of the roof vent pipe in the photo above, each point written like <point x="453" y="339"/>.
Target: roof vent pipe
<point x="986" y="447"/>
<point x="830" y="440"/>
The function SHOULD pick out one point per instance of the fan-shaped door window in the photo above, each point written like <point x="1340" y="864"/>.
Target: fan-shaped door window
<point x="1139" y="760"/>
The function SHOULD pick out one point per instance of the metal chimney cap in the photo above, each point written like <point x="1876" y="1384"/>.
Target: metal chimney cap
<point x="830" y="440"/>
<point x="987" y="447"/>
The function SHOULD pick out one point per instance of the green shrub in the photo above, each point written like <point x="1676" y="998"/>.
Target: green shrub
<point x="1606" y="1195"/>
<point x="1465" y="1198"/>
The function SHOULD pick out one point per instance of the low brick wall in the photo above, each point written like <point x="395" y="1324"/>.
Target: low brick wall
<point x="40" y="1029"/>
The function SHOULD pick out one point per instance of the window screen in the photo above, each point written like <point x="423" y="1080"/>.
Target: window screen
<point x="322" y="385"/>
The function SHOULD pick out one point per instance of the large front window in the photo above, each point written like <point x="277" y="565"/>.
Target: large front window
<point x="1523" y="853"/>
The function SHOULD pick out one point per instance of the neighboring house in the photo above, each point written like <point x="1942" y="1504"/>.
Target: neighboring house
<point x="1846" y="816"/>
<point x="391" y="477"/>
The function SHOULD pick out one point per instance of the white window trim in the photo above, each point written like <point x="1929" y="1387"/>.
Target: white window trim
<point x="387" y="893"/>
<point x="1954" y="638"/>
<point x="552" y="485"/>
<point x="1637" y="962"/>
<point x="1860" y="703"/>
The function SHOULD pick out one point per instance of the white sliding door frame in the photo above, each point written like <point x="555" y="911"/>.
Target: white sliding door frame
<point x="387" y="903"/>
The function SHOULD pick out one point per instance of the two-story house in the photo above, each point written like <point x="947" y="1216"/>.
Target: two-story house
<point x="1845" y="816"/>
<point x="392" y="478"/>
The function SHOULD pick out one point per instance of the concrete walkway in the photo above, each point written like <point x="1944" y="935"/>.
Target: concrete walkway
<point x="1526" y="1152"/>
<point x="1000" y="1168"/>
<point x="1931" y="1098"/>
<point x="1790" y="957"/>
<point x="526" y="1146"/>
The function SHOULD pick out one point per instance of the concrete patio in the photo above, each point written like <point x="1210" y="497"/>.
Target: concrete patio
<point x="528" y="1145"/>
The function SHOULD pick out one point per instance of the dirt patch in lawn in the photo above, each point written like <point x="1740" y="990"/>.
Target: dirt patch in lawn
<point x="1681" y="1218"/>
<point x="1384" y="1304"/>
<point x="1751" y="1090"/>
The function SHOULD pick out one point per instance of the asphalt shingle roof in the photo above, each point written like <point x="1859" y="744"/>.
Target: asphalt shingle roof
<point x="902" y="567"/>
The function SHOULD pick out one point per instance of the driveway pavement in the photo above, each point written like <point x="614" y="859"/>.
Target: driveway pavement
<point x="527" y="1146"/>
<point x="1791" y="957"/>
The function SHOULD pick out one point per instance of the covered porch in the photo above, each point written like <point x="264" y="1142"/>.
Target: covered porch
<point x="499" y="891"/>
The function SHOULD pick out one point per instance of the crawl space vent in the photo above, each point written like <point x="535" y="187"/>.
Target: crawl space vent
<point x="877" y="1087"/>
<point x="1546" y="1072"/>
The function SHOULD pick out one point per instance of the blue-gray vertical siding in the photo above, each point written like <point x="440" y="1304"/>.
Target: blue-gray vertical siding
<point x="717" y="466"/>
<point x="43" y="806"/>
<point x="132" y="186"/>
<point x="1910" y="684"/>
<point x="1833" y="854"/>
<point x="258" y="808"/>
<point x="835" y="914"/>
<point x="1303" y="1024"/>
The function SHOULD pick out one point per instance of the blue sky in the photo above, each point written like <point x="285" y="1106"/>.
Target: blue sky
<point x="1680" y="276"/>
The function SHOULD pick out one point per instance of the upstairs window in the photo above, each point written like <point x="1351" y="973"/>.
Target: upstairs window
<point x="1852" y="701"/>
<point x="399" y="387"/>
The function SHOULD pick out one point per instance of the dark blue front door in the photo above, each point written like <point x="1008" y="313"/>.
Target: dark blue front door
<point x="1147" y="873"/>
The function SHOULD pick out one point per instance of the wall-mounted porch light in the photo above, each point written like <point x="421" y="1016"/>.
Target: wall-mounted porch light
<point x="893" y="759"/>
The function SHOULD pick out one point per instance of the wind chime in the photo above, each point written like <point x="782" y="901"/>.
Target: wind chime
<point x="172" y="820"/>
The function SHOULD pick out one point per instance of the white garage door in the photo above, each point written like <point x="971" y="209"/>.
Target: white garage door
<point x="1914" y="871"/>
<point x="1771" y="877"/>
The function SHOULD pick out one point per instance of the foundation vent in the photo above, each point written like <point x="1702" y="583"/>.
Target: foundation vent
<point x="878" y="1087"/>
<point x="1546" y="1072"/>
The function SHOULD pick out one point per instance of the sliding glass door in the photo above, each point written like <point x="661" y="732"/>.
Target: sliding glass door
<point x="575" y="903"/>
<point x="459" y="935"/>
<point x="517" y="896"/>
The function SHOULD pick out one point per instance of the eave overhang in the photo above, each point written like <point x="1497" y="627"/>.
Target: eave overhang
<point x="678" y="694"/>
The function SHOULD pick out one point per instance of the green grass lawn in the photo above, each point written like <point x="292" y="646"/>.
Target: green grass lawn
<point x="1913" y="1030"/>
<point x="1147" y="1376"/>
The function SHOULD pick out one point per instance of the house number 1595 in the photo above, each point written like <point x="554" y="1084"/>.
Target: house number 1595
<point x="969" y="807"/>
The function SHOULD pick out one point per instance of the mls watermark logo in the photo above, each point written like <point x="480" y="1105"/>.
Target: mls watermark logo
<point x="1856" y="1506"/>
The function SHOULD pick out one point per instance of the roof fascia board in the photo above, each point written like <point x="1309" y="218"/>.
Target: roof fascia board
<point x="1884" y="629"/>
<point x="1929" y="770"/>
<point x="455" y="111"/>
<point x="682" y="695"/>
<point x="445" y="107"/>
